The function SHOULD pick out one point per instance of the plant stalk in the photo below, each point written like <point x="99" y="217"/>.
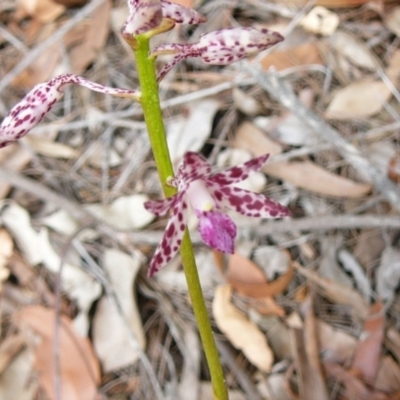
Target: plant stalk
<point x="150" y="102"/>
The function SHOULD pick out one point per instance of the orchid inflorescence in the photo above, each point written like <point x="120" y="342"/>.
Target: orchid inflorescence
<point x="209" y="196"/>
<point x="146" y="17"/>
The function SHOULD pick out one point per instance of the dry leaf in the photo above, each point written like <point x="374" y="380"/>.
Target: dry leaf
<point x="6" y="250"/>
<point x="96" y="31"/>
<point x="51" y="149"/>
<point x="310" y="176"/>
<point x="311" y="380"/>
<point x="388" y="274"/>
<point x="240" y="331"/>
<point x="335" y="3"/>
<point x="358" y="100"/>
<point x="388" y="379"/>
<point x="304" y="54"/>
<point x="17" y="220"/>
<point x="337" y="293"/>
<point x="306" y="174"/>
<point x="353" y="49"/>
<point x="79" y="368"/>
<point x="392" y="21"/>
<point x="114" y="346"/>
<point x="124" y="213"/>
<point x="335" y="345"/>
<point x="16" y="380"/>
<point x="9" y="348"/>
<point x="191" y="134"/>
<point x="13" y="157"/>
<point x="44" y="11"/>
<point x="245" y="103"/>
<point x="320" y="21"/>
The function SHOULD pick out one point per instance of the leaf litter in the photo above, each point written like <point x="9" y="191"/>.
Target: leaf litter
<point x="298" y="314"/>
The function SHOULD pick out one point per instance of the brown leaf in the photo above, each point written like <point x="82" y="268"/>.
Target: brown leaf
<point x="310" y="176"/>
<point x="306" y="350"/>
<point x="79" y="368"/>
<point x="368" y="353"/>
<point x="96" y="32"/>
<point x="304" y="174"/>
<point x="359" y="100"/>
<point x="44" y="11"/>
<point x="240" y="331"/>
<point x="304" y="54"/>
<point x="337" y="293"/>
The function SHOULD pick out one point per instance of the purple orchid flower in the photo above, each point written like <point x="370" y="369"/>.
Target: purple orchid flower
<point x="39" y="101"/>
<point x="220" y="47"/>
<point x="209" y="195"/>
<point x="146" y="15"/>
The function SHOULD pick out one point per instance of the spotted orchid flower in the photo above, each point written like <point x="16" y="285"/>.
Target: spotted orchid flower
<point x="220" y="47"/>
<point x="209" y="195"/>
<point x="39" y="101"/>
<point x="147" y="15"/>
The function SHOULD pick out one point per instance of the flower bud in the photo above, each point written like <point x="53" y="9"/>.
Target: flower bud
<point x="229" y="45"/>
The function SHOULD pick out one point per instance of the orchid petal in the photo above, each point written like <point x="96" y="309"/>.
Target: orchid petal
<point x="181" y="14"/>
<point x="28" y="112"/>
<point x="160" y="207"/>
<point x="40" y="100"/>
<point x="217" y="230"/>
<point x="247" y="203"/>
<point x="238" y="173"/>
<point x="168" y="66"/>
<point x="194" y="166"/>
<point x="144" y="15"/>
<point x="229" y="45"/>
<point x="172" y="237"/>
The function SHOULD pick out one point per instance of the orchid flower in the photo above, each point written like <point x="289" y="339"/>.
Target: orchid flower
<point x="209" y="195"/>
<point x="39" y="101"/>
<point x="147" y="15"/>
<point x="220" y="47"/>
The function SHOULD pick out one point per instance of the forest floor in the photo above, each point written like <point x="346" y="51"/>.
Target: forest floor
<point x="307" y="308"/>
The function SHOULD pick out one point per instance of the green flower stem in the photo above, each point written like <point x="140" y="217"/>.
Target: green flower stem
<point x="150" y="102"/>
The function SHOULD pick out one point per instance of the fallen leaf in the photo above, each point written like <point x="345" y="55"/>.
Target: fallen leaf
<point x="180" y="132"/>
<point x="96" y="30"/>
<point x="14" y="158"/>
<point x="240" y="331"/>
<point x="44" y="11"/>
<point x="336" y="345"/>
<point x="51" y="149"/>
<point x="337" y="293"/>
<point x="359" y="100"/>
<point x="304" y="174"/>
<point x="392" y="20"/>
<point x="17" y="221"/>
<point x="388" y="378"/>
<point x="388" y="274"/>
<point x="6" y="250"/>
<point x="304" y="54"/>
<point x="336" y="3"/>
<point x="125" y="213"/>
<point x="16" y="380"/>
<point x="306" y="352"/>
<point x="114" y="346"/>
<point x="353" y="49"/>
<point x="366" y="359"/>
<point x="9" y="348"/>
<point x="79" y="368"/>
<point x="245" y="103"/>
<point x="320" y="21"/>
